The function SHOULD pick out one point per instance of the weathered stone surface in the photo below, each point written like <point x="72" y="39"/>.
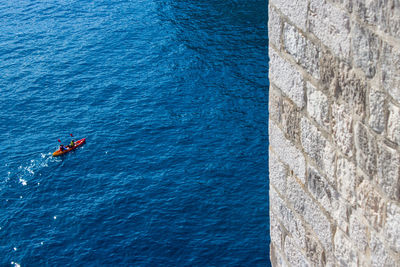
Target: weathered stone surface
<point x="314" y="251"/>
<point x="328" y="68"/>
<point x="358" y="232"/>
<point x="349" y="88"/>
<point x="389" y="172"/>
<point x="318" y="148"/>
<point x="317" y="106"/>
<point x="393" y="129"/>
<point x="331" y="25"/>
<point x="277" y="173"/>
<point x="275" y="232"/>
<point x="293" y="254"/>
<point x="345" y="253"/>
<point x="285" y="113"/>
<point x="377" y="111"/>
<point x="313" y="215"/>
<point x="366" y="10"/>
<point x="274" y="27"/>
<point x="379" y="255"/>
<point x="346" y="180"/>
<point x="344" y="85"/>
<point x="347" y="4"/>
<point x="366" y="150"/>
<point x="342" y="129"/>
<point x="291" y="120"/>
<point x="275" y="104"/>
<point x="304" y="51"/>
<point x="295" y="10"/>
<point x="392" y="227"/>
<point x="289" y="221"/>
<point x="276" y="257"/>
<point x="342" y="215"/>
<point x="285" y="76"/>
<point x="391" y="70"/>
<point x="384" y="14"/>
<point x="372" y="204"/>
<point x="288" y="153"/>
<point x="365" y="45"/>
<point x="364" y="260"/>
<point x="321" y="190"/>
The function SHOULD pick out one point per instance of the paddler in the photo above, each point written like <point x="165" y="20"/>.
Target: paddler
<point x="72" y="144"/>
<point x="62" y="148"/>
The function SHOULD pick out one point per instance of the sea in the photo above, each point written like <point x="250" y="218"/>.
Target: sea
<point x="171" y="97"/>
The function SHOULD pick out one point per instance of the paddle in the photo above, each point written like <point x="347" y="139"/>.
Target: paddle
<point x="69" y="134"/>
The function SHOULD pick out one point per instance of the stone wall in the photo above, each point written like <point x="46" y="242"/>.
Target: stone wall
<point x="334" y="129"/>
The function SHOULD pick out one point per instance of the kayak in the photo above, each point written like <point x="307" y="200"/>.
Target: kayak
<point x="69" y="149"/>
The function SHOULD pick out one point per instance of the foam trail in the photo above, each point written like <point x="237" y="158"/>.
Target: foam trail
<point x="26" y="171"/>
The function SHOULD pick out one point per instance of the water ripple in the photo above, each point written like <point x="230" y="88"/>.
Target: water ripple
<point x="172" y="97"/>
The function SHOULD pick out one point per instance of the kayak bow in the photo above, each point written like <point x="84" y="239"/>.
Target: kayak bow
<point x="69" y="149"/>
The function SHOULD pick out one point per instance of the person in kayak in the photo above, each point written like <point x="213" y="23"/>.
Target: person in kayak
<point x="62" y="148"/>
<point x="72" y="144"/>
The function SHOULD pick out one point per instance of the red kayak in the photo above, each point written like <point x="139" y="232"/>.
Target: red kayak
<point x="60" y="152"/>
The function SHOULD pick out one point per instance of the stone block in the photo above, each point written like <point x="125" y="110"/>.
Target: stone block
<point x="347" y="4"/>
<point x="365" y="46"/>
<point x="346" y="180"/>
<point x="342" y="129"/>
<point x="380" y="256"/>
<point x="383" y="14"/>
<point x="285" y="113"/>
<point x="372" y="204"/>
<point x="287" y="78"/>
<point x="377" y="111"/>
<point x="366" y="10"/>
<point x="366" y="154"/>
<point x="318" y="148"/>
<point x="317" y="106"/>
<point x="342" y="215"/>
<point x="331" y="25"/>
<point x="288" y="153"/>
<point x="321" y="190"/>
<point x="276" y="232"/>
<point x="277" y="173"/>
<point x="328" y="68"/>
<point x="312" y="214"/>
<point x="295" y="10"/>
<point x="358" y="232"/>
<point x="293" y="254"/>
<point x="277" y="258"/>
<point x="291" y="121"/>
<point x="393" y="128"/>
<point x="288" y="219"/>
<point x="392" y="227"/>
<point x="303" y="51"/>
<point x="274" y="27"/>
<point x="349" y="88"/>
<point x="388" y="176"/>
<point x="344" y="85"/>
<point x="314" y="251"/>
<point x="275" y="104"/>
<point x="391" y="70"/>
<point x="345" y="253"/>
<point x="392" y="18"/>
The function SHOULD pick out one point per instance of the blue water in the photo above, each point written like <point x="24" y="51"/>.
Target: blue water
<point x="172" y="98"/>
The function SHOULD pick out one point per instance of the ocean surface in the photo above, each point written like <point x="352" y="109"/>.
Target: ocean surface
<point x="172" y="98"/>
